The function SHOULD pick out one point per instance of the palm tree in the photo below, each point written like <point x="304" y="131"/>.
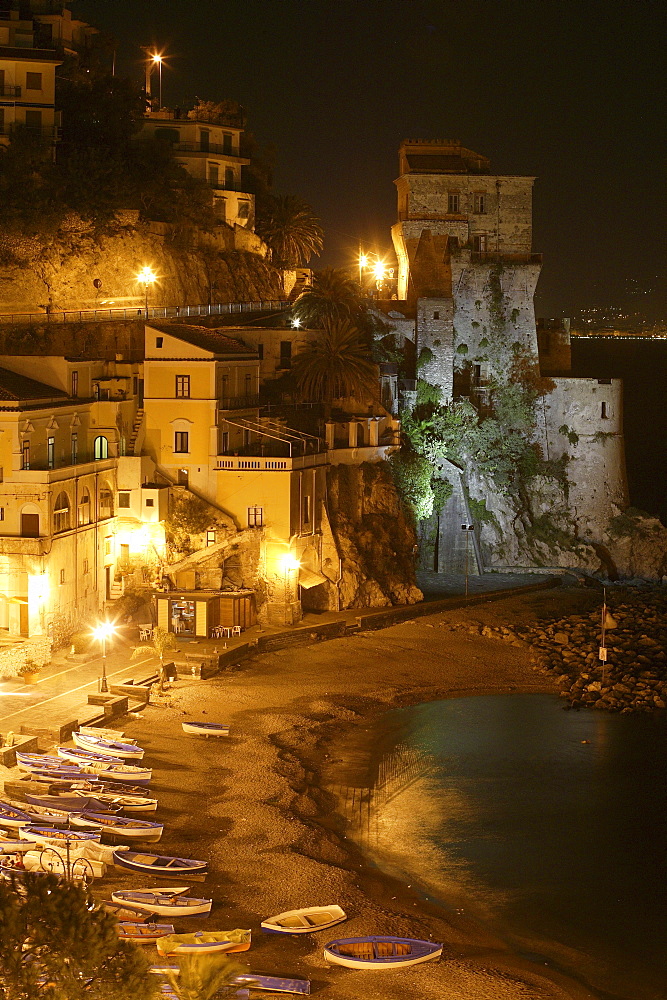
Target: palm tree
<point x="200" y="977"/>
<point x="161" y="642"/>
<point x="290" y="230"/>
<point x="333" y="295"/>
<point x="335" y="364"/>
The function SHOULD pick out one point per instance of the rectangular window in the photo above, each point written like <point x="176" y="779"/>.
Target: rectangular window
<point x="107" y="545"/>
<point x="33" y="119"/>
<point x="182" y="387"/>
<point x="62" y="575"/>
<point x="75" y="384"/>
<point x="51" y="452"/>
<point x="285" y="354"/>
<point x="229" y="178"/>
<point x="75" y="449"/>
<point x="210" y="538"/>
<point x="227" y="143"/>
<point x="307" y="502"/>
<point x="2" y="120"/>
<point x="150" y="502"/>
<point x="2" y="513"/>
<point x="260" y="351"/>
<point x="159" y="341"/>
<point x="213" y="174"/>
<point x="479" y="243"/>
<point x="246" y="438"/>
<point x="248" y="385"/>
<point x="479" y="203"/>
<point x="124" y="500"/>
<point x="603" y="411"/>
<point x="453" y="203"/>
<point x="25" y="455"/>
<point x="204" y="140"/>
<point x="224" y="442"/>
<point x="255" y="517"/>
<point x="33" y="81"/>
<point x="181" y="442"/>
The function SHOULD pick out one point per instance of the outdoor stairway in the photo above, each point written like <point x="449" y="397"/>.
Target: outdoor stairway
<point x="136" y="427"/>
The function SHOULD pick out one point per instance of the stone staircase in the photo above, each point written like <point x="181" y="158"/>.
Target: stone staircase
<point x="136" y="427"/>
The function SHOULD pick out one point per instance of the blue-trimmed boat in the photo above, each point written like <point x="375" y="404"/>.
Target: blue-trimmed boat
<point x="119" y="826"/>
<point x="195" y="728"/>
<point x="275" y="985"/>
<point x="12" y="817"/>
<point x="159" y="864"/>
<point x="381" y="952"/>
<point x="110" y="748"/>
<point x="49" y="835"/>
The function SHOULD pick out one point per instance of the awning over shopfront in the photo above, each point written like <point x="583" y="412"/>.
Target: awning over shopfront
<point x="308" y="579"/>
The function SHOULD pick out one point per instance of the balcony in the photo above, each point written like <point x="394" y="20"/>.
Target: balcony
<point x="239" y="402"/>
<point x="49" y="133"/>
<point x="219" y="186"/>
<point x="215" y="149"/>
<point x="262" y="463"/>
<point x="225" y="120"/>
<point x="10" y="91"/>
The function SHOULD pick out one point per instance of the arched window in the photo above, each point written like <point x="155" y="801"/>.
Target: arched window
<point x="106" y="502"/>
<point x="83" y="513"/>
<point x="61" y="518"/>
<point x="100" y="448"/>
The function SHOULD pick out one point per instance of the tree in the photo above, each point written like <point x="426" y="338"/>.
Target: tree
<point x="55" y="945"/>
<point x="200" y="977"/>
<point x="335" y="364"/>
<point x="161" y="642"/>
<point x="289" y="228"/>
<point x="333" y="295"/>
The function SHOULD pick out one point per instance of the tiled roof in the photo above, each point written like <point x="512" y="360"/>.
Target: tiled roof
<point x="208" y="340"/>
<point x="19" y="388"/>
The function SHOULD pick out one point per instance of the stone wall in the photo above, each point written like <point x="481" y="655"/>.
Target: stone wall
<point x="36" y="273"/>
<point x="435" y="332"/>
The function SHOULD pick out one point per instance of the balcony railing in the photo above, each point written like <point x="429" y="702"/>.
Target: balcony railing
<point x="239" y="402"/>
<point x="200" y="147"/>
<point x="225" y="120"/>
<point x="138" y="313"/>
<point x="46" y="132"/>
<point x="8" y="91"/>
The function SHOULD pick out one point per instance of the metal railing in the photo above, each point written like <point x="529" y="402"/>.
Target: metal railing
<point x="239" y="402"/>
<point x="201" y="147"/>
<point x="127" y="313"/>
<point x="8" y="91"/>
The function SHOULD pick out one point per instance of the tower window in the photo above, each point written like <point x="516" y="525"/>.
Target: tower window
<point x="453" y="203"/>
<point x="255" y="517"/>
<point x="603" y="412"/>
<point x="436" y="315"/>
<point x="479" y="203"/>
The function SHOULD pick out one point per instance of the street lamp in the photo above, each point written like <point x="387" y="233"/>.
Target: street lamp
<point x="157" y="61"/>
<point x="289" y="563"/>
<point x="103" y="632"/>
<point x="146" y="277"/>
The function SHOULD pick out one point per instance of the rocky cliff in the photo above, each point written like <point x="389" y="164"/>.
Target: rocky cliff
<point x="373" y="536"/>
<point x="80" y="268"/>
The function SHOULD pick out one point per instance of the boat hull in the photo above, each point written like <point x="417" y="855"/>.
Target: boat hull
<point x="307" y="920"/>
<point x="381" y="952"/>
<point x="160" y="865"/>
<point x="142" y="933"/>
<point x="162" y="904"/>
<point x="43" y="835"/>
<point x="109" y="748"/>
<point x="203" y="943"/>
<point x="205" y="728"/>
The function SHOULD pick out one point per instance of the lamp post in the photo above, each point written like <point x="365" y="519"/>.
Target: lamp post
<point x="467" y="528"/>
<point x="157" y="61"/>
<point x="146" y="277"/>
<point x="103" y="632"/>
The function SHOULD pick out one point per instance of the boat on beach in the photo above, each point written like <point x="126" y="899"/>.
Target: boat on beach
<point x="12" y="844"/>
<point x="118" y="826"/>
<point x="105" y="734"/>
<point x="204" y="942"/>
<point x="159" y="864"/>
<point x="49" y="835"/>
<point x="114" y="802"/>
<point x="304" y="921"/>
<point x="65" y="801"/>
<point x="165" y="903"/>
<point x="108" y="748"/>
<point x="381" y="952"/>
<point x="194" y="728"/>
<point x="274" y="984"/>
<point x="110" y="768"/>
<point x="12" y="817"/>
<point x="142" y="933"/>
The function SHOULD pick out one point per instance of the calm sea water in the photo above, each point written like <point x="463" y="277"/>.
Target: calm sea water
<point x="548" y="825"/>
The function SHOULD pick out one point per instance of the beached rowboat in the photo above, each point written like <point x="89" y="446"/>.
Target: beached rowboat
<point x="142" y="933"/>
<point x="159" y="864"/>
<point x="381" y="952"/>
<point x="274" y="984"/>
<point x="14" y="845"/>
<point x="107" y="767"/>
<point x="12" y="817"/>
<point x="105" y="734"/>
<point x="164" y="903"/>
<point x="119" y="826"/>
<point x="109" y="748"/>
<point x="304" y="921"/>
<point x="48" y="835"/>
<point x="112" y="802"/>
<point x="204" y="942"/>
<point x="66" y="801"/>
<point x="193" y="728"/>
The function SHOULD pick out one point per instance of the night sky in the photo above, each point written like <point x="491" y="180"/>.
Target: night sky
<point x="572" y="92"/>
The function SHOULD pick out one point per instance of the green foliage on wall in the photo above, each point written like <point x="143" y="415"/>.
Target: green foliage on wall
<point x="412" y="475"/>
<point x="442" y="491"/>
<point x="572" y="436"/>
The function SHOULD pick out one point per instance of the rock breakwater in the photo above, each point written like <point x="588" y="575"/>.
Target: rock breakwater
<point x="634" y="677"/>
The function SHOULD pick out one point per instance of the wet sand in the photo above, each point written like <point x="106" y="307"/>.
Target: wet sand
<point x="253" y="806"/>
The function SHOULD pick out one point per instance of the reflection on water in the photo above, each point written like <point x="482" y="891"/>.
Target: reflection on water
<point x="550" y="825"/>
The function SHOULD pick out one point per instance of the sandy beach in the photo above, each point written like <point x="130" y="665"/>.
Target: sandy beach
<point x="251" y="804"/>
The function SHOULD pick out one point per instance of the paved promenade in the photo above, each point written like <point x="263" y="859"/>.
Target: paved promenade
<point x="61" y="693"/>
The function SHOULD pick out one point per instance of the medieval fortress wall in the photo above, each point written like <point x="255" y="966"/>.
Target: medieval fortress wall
<point x="468" y="273"/>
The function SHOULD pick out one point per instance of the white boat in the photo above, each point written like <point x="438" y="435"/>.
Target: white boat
<point x="204" y="942"/>
<point x="165" y="904"/>
<point x="49" y="835"/>
<point x="119" y="826"/>
<point x="142" y="933"/>
<point x="108" y="748"/>
<point x="381" y="952"/>
<point x="106" y="734"/>
<point x="110" y="768"/>
<point x="304" y="921"/>
<point x="46" y="860"/>
<point x="122" y="803"/>
<point x="14" y="845"/>
<point x="194" y="728"/>
<point x="160" y="864"/>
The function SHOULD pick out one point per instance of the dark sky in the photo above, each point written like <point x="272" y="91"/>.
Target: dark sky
<point x="572" y="92"/>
